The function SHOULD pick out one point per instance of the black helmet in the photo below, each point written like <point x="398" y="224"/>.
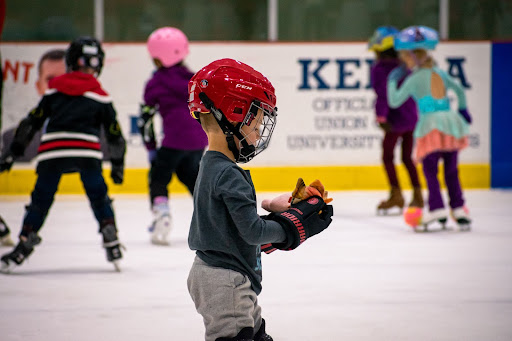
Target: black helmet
<point x="85" y="52"/>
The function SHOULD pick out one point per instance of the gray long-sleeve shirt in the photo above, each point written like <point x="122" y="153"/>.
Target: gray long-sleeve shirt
<point x="226" y="229"/>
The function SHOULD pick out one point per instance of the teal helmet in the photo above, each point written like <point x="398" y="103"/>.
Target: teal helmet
<point x="416" y="37"/>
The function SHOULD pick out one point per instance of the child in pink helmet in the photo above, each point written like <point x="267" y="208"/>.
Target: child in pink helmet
<point x="184" y="141"/>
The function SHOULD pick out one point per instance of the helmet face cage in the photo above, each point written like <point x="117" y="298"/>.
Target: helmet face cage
<point x="256" y="129"/>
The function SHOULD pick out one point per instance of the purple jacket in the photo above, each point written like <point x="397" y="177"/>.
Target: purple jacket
<point x="403" y="118"/>
<point x="168" y="88"/>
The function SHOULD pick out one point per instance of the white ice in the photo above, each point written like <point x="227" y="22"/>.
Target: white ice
<point x="365" y="278"/>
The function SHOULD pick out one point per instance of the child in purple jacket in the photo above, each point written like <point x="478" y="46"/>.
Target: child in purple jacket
<point x="396" y="123"/>
<point x="184" y="140"/>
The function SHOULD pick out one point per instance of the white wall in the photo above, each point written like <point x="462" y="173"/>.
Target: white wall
<point x="333" y="126"/>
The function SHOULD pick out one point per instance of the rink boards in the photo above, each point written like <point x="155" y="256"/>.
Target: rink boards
<point x="326" y="127"/>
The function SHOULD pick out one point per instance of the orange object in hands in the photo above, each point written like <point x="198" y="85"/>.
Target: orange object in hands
<point x="302" y="191"/>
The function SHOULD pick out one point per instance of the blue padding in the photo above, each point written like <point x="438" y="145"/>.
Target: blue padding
<point x="501" y="115"/>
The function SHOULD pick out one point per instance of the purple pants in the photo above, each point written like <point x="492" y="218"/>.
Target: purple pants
<point x="388" y="155"/>
<point x="451" y="178"/>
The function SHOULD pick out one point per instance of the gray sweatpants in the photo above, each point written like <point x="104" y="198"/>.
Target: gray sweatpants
<point x="224" y="298"/>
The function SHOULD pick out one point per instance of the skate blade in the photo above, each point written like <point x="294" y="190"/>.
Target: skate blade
<point x="389" y="211"/>
<point x="427" y="228"/>
<point x="160" y="241"/>
<point x="423" y="228"/>
<point x="464" y="227"/>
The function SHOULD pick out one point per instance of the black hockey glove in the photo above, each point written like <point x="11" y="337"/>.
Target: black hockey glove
<point x="117" y="171"/>
<point x="302" y="221"/>
<point x="145" y="125"/>
<point x="6" y="161"/>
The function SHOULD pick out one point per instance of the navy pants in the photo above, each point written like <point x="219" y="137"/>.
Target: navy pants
<point x="185" y="163"/>
<point x="388" y="155"/>
<point x="451" y="178"/>
<point x="44" y="192"/>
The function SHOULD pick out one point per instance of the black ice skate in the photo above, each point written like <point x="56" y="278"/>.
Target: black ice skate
<point x="20" y="252"/>
<point x="5" y="234"/>
<point x="111" y="243"/>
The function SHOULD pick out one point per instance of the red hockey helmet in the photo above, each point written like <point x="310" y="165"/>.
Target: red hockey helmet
<point x="234" y="92"/>
<point x="232" y="86"/>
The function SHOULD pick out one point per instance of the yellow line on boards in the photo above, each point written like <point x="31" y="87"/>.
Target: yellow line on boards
<point x="278" y="179"/>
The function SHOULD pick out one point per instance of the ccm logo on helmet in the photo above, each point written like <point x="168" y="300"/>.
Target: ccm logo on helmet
<point x="243" y="86"/>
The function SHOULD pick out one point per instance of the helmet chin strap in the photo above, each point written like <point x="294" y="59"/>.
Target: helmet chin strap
<point x="247" y="151"/>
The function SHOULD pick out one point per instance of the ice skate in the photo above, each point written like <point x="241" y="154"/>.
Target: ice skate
<point x="417" y="198"/>
<point x="430" y="217"/>
<point x="111" y="244"/>
<point x="5" y="234"/>
<point x="21" y="252"/>
<point x="461" y="216"/>
<point x="162" y="224"/>
<point x="395" y="200"/>
<point x="160" y="230"/>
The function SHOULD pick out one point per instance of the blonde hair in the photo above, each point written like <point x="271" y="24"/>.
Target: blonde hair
<point x="424" y="58"/>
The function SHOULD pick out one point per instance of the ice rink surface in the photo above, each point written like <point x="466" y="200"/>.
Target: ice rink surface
<point x="365" y="278"/>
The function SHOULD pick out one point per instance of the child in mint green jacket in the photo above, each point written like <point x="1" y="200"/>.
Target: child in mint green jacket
<point x="440" y="132"/>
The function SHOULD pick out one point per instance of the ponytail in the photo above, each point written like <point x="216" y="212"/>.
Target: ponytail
<point x="424" y="59"/>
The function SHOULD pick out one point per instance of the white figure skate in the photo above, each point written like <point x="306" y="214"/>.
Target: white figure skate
<point x="161" y="225"/>
<point x="461" y="216"/>
<point x="430" y="217"/>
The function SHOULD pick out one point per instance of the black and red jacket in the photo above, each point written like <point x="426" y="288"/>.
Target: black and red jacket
<point x="76" y="107"/>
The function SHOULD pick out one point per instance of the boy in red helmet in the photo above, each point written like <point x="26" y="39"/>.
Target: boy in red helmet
<point x="235" y="105"/>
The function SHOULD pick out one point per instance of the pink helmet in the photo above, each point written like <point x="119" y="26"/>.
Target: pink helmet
<point x="169" y="45"/>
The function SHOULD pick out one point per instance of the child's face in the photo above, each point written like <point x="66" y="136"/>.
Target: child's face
<point x="257" y="129"/>
<point x="252" y="132"/>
